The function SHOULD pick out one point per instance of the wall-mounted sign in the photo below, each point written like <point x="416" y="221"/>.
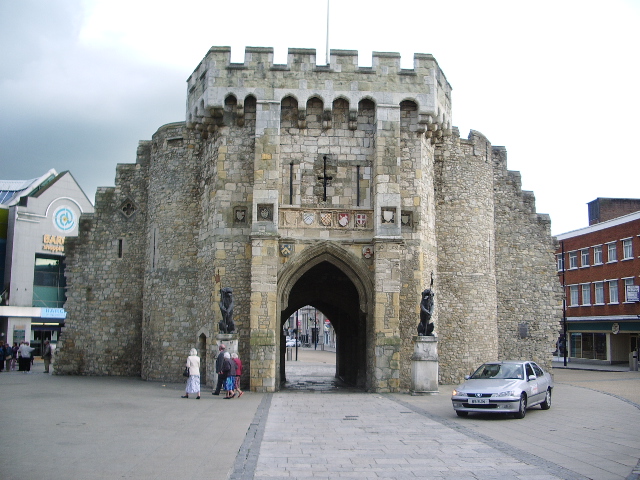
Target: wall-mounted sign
<point x="632" y="293"/>
<point x="53" y="243"/>
<point x="53" y="313"/>
<point x="64" y="219"/>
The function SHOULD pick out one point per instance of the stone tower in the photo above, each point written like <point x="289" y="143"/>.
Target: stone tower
<point x="338" y="186"/>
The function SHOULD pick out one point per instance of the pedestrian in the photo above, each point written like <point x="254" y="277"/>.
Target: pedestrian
<point x="24" y="360"/>
<point x="2" y="353"/>
<point x="46" y="355"/>
<point x="7" y="355"/>
<point x="229" y="368"/>
<point x="193" y="382"/>
<point x="219" y="363"/>
<point x="14" y="356"/>
<point x="238" y="362"/>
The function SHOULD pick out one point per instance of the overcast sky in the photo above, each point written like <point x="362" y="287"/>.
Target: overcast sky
<point x="556" y="82"/>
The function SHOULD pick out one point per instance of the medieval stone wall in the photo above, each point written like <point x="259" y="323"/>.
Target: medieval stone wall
<point x="105" y="272"/>
<point x="466" y="284"/>
<point x="529" y="294"/>
<point x="242" y="196"/>
<point x="172" y="312"/>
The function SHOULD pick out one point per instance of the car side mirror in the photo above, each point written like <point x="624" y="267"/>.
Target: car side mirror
<point x="531" y="377"/>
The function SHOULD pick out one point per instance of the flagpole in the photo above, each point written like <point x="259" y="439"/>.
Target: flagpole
<point x="327" y="47"/>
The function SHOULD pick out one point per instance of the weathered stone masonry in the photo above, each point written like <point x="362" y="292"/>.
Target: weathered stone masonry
<point x="239" y="195"/>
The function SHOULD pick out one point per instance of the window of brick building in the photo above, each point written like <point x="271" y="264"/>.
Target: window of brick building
<point x="598" y="288"/>
<point x="628" y="282"/>
<point x="613" y="291"/>
<point x="573" y="260"/>
<point x="573" y="296"/>
<point x="627" y="249"/>
<point x="612" y="252"/>
<point x="586" y="293"/>
<point x="584" y="257"/>
<point x="597" y="255"/>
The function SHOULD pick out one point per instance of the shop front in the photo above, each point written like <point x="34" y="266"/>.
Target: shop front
<point x="605" y="342"/>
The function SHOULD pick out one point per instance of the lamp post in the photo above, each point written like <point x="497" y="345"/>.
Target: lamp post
<point x="565" y="345"/>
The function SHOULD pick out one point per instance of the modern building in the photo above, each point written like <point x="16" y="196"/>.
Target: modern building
<point x="599" y="266"/>
<point x="36" y="217"/>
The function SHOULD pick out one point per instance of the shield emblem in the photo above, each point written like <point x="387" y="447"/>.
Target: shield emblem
<point x="240" y="215"/>
<point x="307" y="217"/>
<point x="290" y="218"/>
<point x="387" y="216"/>
<point x="325" y="218"/>
<point x="367" y="251"/>
<point x="343" y="219"/>
<point x="361" y="220"/>
<point x="405" y="218"/>
<point x="286" y="249"/>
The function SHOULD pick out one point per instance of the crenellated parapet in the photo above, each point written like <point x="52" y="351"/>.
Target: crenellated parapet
<point x="385" y="82"/>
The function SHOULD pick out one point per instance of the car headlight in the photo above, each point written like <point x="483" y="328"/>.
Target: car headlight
<point x="458" y="393"/>
<point x="508" y="393"/>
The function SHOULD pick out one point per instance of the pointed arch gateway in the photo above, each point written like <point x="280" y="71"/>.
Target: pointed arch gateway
<point x="333" y="280"/>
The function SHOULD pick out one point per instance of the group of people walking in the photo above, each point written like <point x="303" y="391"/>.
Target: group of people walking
<point x="23" y="356"/>
<point x="228" y="368"/>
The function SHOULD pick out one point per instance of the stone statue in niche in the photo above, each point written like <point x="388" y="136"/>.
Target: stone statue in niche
<point x="425" y="327"/>
<point x="226" y="309"/>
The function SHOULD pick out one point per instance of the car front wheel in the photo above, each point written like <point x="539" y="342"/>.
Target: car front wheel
<point x="522" y="408"/>
<point x="546" y="404"/>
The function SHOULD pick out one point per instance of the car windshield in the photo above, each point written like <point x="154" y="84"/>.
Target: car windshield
<point x="498" y="370"/>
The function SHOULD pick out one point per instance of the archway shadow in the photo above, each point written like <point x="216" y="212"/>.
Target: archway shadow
<point x="314" y="371"/>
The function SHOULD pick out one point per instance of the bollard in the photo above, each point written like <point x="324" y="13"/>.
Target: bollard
<point x="633" y="361"/>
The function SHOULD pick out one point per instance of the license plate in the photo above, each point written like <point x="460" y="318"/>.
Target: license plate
<point x="479" y="400"/>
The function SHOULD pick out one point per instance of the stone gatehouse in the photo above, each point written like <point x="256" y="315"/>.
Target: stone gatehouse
<point x="341" y="187"/>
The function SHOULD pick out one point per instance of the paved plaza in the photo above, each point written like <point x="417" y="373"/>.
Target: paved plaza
<point x="65" y="427"/>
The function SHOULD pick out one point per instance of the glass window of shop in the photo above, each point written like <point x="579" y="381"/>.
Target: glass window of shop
<point x="49" y="282"/>
<point x="591" y="346"/>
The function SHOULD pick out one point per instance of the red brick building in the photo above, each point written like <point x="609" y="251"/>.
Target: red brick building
<point x="599" y="267"/>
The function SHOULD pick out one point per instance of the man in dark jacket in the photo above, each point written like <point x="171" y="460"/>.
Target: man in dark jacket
<point x="219" y="363"/>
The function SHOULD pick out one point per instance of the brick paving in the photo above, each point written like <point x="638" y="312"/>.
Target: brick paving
<point x="65" y="427"/>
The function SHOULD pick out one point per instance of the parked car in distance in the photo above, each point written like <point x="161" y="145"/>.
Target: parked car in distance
<point x="504" y="387"/>
<point x="292" y="343"/>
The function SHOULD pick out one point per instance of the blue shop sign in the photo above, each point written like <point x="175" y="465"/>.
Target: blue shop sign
<point x="53" y="313"/>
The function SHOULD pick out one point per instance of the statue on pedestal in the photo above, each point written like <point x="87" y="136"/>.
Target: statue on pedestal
<point x="425" y="327"/>
<point x="226" y="309"/>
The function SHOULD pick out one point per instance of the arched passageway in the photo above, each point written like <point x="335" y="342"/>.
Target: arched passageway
<point x="327" y="288"/>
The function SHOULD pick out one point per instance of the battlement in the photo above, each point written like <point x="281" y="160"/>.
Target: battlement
<point x="384" y="82"/>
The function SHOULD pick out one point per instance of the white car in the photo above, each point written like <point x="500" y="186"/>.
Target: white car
<point x="292" y="343"/>
<point x="504" y="387"/>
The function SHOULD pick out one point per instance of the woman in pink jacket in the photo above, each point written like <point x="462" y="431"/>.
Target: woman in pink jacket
<point x="238" y="362"/>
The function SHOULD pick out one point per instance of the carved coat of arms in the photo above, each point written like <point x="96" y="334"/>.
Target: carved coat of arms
<point x="307" y="218"/>
<point x="343" y="219"/>
<point x="286" y="249"/>
<point x="361" y="220"/>
<point x="325" y="218"/>
<point x="367" y="251"/>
